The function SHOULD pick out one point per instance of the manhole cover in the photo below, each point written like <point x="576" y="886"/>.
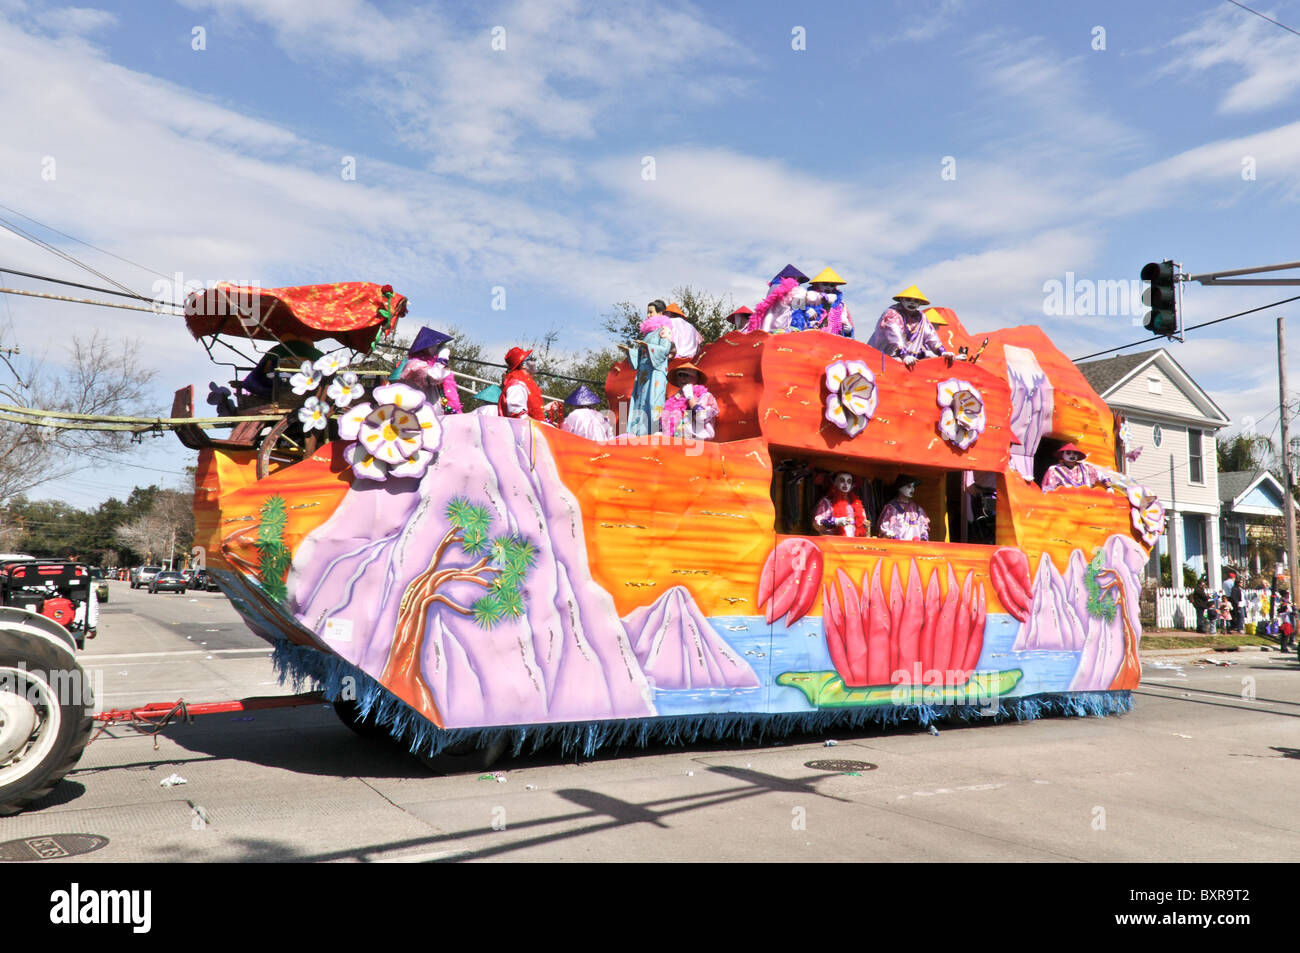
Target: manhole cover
<point x="51" y="847"/>
<point x="840" y="765"/>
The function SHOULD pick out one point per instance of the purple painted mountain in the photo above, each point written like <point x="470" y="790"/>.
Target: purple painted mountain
<point x="1059" y="617"/>
<point x="1054" y="623"/>
<point x="678" y="648"/>
<point x="563" y="655"/>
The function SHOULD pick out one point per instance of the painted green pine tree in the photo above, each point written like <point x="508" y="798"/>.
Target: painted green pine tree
<point x="1098" y="604"/>
<point x="275" y="559"/>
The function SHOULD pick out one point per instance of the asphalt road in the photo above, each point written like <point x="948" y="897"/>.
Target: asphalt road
<point x="1196" y="772"/>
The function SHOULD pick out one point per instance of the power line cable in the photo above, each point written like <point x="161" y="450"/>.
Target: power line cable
<point x="1263" y="17"/>
<point x="80" y="241"/>
<point x="75" y="284"/>
<point x="1204" y="324"/>
<point x="41" y="243"/>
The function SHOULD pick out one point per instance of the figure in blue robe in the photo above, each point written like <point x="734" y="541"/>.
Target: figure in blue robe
<point x="650" y="360"/>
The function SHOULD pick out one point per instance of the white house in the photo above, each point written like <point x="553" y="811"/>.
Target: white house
<point x="1171" y="425"/>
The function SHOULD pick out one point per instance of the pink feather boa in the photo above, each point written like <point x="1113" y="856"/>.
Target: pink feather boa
<point x="675" y="409"/>
<point x="834" y="320"/>
<point x="450" y="393"/>
<point x="416" y="373"/>
<point x="776" y="294"/>
<point x="649" y="325"/>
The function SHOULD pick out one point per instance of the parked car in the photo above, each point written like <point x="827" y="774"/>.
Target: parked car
<point x="142" y="576"/>
<point x="100" y="583"/>
<point x="168" y="580"/>
<point x="203" y="580"/>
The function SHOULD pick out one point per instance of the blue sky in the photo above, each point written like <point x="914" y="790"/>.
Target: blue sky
<point x="523" y="168"/>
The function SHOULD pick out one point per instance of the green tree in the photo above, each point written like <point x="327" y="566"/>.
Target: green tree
<point x="1243" y="452"/>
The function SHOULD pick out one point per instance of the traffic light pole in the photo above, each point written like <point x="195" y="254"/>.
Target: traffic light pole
<point x="1230" y="277"/>
<point x="1286" y="455"/>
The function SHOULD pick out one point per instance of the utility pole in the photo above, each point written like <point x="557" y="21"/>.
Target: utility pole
<point x="1286" y="453"/>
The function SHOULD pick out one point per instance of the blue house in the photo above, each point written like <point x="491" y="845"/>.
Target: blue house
<point x="1252" y="528"/>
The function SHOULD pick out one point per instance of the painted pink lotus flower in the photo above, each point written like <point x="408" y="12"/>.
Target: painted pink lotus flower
<point x="963" y="418"/>
<point x="915" y="634"/>
<point x="851" y="395"/>
<point x="790" y="580"/>
<point x="396" y="438"/>
<point x="1147" y="513"/>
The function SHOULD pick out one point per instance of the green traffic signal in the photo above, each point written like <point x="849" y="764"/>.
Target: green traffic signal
<point x="1160" y="298"/>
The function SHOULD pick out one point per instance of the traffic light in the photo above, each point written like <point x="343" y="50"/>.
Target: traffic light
<point x="1160" y="298"/>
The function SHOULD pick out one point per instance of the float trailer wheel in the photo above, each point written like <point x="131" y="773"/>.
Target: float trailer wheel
<point x="284" y="445"/>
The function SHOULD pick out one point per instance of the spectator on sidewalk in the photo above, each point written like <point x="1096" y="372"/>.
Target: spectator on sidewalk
<point x="1234" y="599"/>
<point x="1201" y="603"/>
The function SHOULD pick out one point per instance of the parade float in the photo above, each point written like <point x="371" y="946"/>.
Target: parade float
<point x="465" y="578"/>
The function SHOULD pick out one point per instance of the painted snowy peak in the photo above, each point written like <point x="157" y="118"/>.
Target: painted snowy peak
<point x="678" y="648"/>
<point x="1087" y="610"/>
<point x="472" y="598"/>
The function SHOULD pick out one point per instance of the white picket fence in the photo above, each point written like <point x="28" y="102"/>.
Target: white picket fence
<point x="1174" y="609"/>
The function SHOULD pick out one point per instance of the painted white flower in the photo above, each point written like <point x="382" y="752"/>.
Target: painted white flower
<point x="1147" y="513"/>
<point x="306" y="380"/>
<point x="329" y="365"/>
<point x="963" y="418"/>
<point x="314" y="414"/>
<point x="397" y="436"/>
<point x="364" y="466"/>
<point x="851" y="397"/>
<point x="345" y="388"/>
<point x="1125" y="434"/>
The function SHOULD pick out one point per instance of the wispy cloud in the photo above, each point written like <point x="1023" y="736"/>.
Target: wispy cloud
<point x="1263" y="59"/>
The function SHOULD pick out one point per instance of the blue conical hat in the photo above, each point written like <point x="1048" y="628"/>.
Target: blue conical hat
<point x="583" y="396"/>
<point x="789" y="271"/>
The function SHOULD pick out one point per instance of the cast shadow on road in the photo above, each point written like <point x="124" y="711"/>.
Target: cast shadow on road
<point x="601" y="813"/>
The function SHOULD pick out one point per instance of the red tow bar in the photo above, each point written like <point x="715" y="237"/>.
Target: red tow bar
<point x="156" y="716"/>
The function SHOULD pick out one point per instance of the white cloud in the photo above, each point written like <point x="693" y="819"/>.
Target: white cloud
<point x="76" y="20"/>
<point x="501" y="115"/>
<point x="1230" y="41"/>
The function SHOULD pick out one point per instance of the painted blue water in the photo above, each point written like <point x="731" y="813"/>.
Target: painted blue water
<point x="773" y="649"/>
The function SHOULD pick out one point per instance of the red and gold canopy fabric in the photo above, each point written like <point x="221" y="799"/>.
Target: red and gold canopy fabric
<point x="351" y="312"/>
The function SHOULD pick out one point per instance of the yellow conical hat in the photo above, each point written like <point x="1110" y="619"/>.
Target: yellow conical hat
<point x="827" y="276"/>
<point x="934" y="317"/>
<point x="913" y="292"/>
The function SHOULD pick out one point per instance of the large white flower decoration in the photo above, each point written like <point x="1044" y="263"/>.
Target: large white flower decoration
<point x="329" y="365"/>
<point x="851" y="397"/>
<point x="306" y="380"/>
<point x="963" y="418"/>
<point x="314" y="414"/>
<point x="345" y="388"/>
<point x="398" y="437"/>
<point x="1147" y="513"/>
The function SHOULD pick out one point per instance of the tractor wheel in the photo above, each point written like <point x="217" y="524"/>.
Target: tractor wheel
<point x="46" y="705"/>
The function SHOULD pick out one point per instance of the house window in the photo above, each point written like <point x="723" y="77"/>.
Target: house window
<point x="1153" y="385"/>
<point x="1195" y="470"/>
<point x="1157" y="434"/>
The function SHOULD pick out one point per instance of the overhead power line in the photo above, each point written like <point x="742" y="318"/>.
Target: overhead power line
<point x="75" y="284"/>
<point x="1263" y="17"/>
<point x="80" y="241"/>
<point x="1203" y="324"/>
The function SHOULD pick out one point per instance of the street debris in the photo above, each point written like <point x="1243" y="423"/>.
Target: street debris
<point x="830" y="744"/>
<point x="172" y="781"/>
<point x="934" y="731"/>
